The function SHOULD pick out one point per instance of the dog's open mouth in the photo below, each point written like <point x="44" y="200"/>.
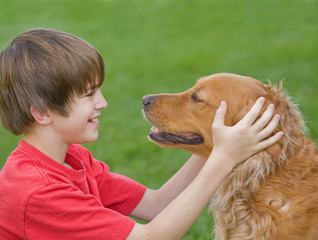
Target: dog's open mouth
<point x="180" y="138"/>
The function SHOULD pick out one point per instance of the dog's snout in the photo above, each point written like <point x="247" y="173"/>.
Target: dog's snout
<point x="146" y="101"/>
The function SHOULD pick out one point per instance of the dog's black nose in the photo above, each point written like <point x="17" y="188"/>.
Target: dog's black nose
<point x="146" y="101"/>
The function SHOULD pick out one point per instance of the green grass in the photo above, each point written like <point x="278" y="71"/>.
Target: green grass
<point x="154" y="46"/>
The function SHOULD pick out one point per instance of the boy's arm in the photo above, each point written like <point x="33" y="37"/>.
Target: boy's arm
<point x="232" y="145"/>
<point x="173" y="222"/>
<point x="156" y="200"/>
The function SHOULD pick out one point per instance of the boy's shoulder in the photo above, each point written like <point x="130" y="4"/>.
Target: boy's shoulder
<point x="27" y="167"/>
<point x="29" y="178"/>
<point x="23" y="168"/>
<point x="28" y="170"/>
<point x="20" y="178"/>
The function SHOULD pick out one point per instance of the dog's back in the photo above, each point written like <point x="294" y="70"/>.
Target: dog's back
<point x="274" y="194"/>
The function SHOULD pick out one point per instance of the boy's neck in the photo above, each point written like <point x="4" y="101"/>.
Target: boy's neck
<point x="47" y="145"/>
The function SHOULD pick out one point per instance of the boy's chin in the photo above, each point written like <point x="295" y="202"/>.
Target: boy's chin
<point x="88" y="140"/>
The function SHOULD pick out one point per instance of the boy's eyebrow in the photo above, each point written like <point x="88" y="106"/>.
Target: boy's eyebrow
<point x="92" y="87"/>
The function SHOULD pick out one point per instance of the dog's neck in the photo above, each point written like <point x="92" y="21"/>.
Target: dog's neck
<point x="249" y="175"/>
<point x="237" y="188"/>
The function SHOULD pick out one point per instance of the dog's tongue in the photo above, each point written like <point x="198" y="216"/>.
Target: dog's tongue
<point x="182" y="138"/>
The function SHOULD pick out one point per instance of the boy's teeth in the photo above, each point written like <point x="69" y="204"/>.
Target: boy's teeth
<point x="94" y="120"/>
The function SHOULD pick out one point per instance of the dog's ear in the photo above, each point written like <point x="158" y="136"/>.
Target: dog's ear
<point x="271" y="96"/>
<point x="291" y="121"/>
<point x="248" y="98"/>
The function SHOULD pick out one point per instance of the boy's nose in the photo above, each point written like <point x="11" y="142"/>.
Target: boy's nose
<point x="101" y="103"/>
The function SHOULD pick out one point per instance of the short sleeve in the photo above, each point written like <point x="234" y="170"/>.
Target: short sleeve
<point x="117" y="192"/>
<point x="62" y="212"/>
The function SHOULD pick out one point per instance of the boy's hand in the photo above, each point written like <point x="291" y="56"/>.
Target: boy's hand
<point x="248" y="136"/>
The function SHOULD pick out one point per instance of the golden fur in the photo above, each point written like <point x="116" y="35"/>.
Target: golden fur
<point x="273" y="194"/>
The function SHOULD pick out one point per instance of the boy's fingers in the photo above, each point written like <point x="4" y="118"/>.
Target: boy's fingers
<point x="269" y="141"/>
<point x="269" y="128"/>
<point x="265" y="118"/>
<point x="220" y="114"/>
<point x="251" y="116"/>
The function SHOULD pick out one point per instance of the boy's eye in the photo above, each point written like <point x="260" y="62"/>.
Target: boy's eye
<point x="90" y="94"/>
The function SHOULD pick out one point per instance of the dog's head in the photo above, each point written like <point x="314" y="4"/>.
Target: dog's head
<point x="184" y="120"/>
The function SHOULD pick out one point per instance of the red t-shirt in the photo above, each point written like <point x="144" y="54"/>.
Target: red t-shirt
<point x="42" y="199"/>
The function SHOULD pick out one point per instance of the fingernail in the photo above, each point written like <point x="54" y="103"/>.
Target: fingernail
<point x="222" y="104"/>
<point x="271" y="106"/>
<point x="262" y="99"/>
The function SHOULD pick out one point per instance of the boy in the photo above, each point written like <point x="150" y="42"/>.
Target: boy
<point x="52" y="187"/>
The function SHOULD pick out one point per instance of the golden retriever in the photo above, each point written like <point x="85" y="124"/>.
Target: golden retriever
<point x="273" y="194"/>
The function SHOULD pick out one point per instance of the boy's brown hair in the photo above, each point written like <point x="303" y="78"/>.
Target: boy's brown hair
<point x="45" y="69"/>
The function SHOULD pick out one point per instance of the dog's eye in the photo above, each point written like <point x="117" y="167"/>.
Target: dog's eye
<point x="195" y="98"/>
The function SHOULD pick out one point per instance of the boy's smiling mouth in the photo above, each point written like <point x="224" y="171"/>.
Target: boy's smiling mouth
<point x="93" y="120"/>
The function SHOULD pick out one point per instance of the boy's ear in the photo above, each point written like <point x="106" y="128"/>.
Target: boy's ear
<point x="42" y="117"/>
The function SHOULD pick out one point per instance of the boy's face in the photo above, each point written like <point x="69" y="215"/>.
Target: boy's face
<point x="81" y="124"/>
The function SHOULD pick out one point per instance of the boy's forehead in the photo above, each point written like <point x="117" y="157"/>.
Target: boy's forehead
<point x="94" y="85"/>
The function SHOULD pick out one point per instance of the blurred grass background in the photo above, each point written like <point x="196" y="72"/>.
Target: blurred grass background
<point x="155" y="46"/>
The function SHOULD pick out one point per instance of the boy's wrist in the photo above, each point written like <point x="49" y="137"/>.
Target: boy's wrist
<point x="222" y="160"/>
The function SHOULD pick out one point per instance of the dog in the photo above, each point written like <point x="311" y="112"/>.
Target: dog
<point x="274" y="193"/>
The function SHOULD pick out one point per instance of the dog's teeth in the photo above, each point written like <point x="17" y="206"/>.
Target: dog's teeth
<point x="155" y="130"/>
